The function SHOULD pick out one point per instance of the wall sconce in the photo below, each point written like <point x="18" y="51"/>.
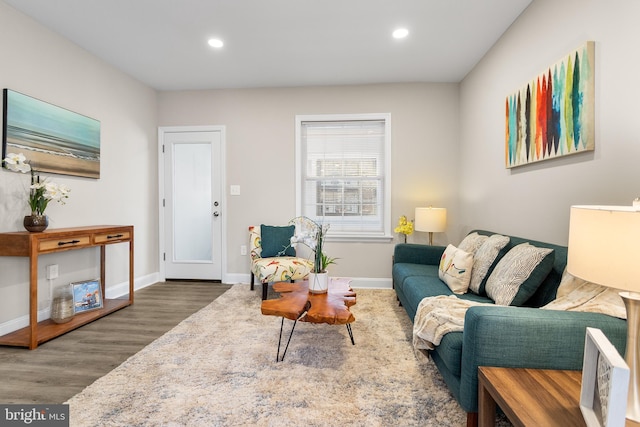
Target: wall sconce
<point x="431" y="220"/>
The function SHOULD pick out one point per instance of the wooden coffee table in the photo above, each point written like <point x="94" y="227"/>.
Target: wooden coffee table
<point x="298" y="304"/>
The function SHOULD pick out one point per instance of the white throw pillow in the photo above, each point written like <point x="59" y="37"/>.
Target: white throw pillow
<point x="455" y="269"/>
<point x="472" y="242"/>
<point x="514" y="270"/>
<point x="483" y="260"/>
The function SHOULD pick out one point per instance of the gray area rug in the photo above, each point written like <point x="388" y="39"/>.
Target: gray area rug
<point x="218" y="368"/>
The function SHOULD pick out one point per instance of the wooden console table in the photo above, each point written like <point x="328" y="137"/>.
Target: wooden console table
<point x="31" y="245"/>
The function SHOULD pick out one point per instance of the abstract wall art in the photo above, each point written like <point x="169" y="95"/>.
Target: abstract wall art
<point x="553" y="115"/>
<point x="52" y="138"/>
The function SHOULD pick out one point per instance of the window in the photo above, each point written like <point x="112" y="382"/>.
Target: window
<point x="342" y="174"/>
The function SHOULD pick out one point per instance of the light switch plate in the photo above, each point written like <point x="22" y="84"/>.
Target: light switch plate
<point x="234" y="190"/>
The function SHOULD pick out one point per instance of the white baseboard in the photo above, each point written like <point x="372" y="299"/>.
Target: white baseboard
<point x="234" y="278"/>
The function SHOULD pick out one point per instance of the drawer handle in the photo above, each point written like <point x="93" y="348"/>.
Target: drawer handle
<point x="115" y="236"/>
<point x="71" y="242"/>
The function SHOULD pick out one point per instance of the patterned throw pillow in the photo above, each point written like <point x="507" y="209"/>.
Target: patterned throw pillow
<point x="276" y="241"/>
<point x="519" y="274"/>
<point x="472" y="242"/>
<point x="484" y="259"/>
<point x="455" y="269"/>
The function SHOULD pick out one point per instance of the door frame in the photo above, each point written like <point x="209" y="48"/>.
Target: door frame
<point x="162" y="130"/>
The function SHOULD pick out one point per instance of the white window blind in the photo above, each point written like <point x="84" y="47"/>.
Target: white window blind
<point x="343" y="173"/>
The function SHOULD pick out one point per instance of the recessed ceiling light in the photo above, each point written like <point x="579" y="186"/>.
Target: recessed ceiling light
<point x="400" y="33"/>
<point x="217" y="43"/>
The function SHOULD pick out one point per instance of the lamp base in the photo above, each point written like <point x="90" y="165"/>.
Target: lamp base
<point x="632" y="354"/>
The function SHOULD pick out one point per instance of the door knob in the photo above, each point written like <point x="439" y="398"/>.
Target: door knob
<point x="216" y="213"/>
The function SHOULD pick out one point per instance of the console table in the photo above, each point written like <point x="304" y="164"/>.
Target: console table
<point x="31" y="245"/>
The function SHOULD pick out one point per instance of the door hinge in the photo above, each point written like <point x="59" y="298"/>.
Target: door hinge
<point x="163" y="203"/>
<point x="164" y="256"/>
<point x="163" y="148"/>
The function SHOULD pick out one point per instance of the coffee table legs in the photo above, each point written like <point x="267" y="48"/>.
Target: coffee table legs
<point x="350" y="333"/>
<point x="295" y="322"/>
<point x="278" y="359"/>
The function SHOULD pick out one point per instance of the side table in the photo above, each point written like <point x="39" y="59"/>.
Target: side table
<point x="530" y="397"/>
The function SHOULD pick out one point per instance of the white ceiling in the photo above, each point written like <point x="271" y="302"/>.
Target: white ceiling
<point x="268" y="43"/>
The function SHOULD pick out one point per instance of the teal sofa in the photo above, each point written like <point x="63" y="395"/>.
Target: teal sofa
<point x="507" y="336"/>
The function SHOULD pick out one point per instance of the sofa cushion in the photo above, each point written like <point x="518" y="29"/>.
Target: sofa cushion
<point x="402" y="271"/>
<point x="519" y="273"/>
<point x="485" y="260"/>
<point x="472" y="242"/>
<point x="450" y="352"/>
<point x="276" y="241"/>
<point x="415" y="288"/>
<point x="455" y="269"/>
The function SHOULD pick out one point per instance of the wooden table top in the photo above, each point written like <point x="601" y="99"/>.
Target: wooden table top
<point x="331" y="307"/>
<point x="537" y="397"/>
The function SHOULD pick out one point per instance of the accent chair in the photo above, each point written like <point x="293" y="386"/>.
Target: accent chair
<point x="273" y="259"/>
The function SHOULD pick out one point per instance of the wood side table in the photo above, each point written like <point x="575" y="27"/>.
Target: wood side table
<point x="530" y="397"/>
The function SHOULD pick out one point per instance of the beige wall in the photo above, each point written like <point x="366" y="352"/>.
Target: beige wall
<point x="41" y="64"/>
<point x="448" y="143"/>
<point x="533" y="201"/>
<point x="260" y="156"/>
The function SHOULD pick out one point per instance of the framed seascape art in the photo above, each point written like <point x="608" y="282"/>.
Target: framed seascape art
<point x="553" y="115"/>
<point x="52" y="138"/>
<point x="605" y="382"/>
<point x="87" y="295"/>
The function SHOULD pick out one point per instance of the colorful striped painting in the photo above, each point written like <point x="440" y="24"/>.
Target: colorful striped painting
<point x="553" y="114"/>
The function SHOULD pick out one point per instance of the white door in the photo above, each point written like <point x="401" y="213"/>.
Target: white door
<point x="192" y="204"/>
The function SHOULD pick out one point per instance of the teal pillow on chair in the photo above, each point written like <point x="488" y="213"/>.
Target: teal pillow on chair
<point x="276" y="241"/>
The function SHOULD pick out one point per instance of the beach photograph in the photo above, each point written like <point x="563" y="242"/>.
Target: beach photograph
<point x="53" y="139"/>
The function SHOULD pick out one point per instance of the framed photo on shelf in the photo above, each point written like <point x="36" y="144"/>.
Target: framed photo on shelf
<point x="87" y="295"/>
<point x="605" y="382"/>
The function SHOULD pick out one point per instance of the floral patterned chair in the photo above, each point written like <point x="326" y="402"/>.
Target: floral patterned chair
<point x="273" y="259"/>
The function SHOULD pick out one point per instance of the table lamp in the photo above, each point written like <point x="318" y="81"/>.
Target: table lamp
<point x="604" y="248"/>
<point x="432" y="220"/>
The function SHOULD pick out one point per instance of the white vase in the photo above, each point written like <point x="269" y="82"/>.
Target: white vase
<point x="318" y="283"/>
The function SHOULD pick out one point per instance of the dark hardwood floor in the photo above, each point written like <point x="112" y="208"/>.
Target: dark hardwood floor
<point x="62" y="367"/>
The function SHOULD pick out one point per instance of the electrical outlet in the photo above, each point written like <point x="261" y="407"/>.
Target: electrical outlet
<point x="243" y="250"/>
<point x="52" y="271"/>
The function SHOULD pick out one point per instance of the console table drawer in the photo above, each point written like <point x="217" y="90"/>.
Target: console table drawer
<point x="57" y="244"/>
<point x="113" y="237"/>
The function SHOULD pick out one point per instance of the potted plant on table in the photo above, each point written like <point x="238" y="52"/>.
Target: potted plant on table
<point x="41" y="192"/>
<point x="312" y="235"/>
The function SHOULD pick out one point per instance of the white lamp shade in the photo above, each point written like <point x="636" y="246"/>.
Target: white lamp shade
<point x="431" y="219"/>
<point x="604" y="246"/>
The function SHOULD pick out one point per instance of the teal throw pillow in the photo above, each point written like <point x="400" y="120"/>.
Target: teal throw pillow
<point x="276" y="241"/>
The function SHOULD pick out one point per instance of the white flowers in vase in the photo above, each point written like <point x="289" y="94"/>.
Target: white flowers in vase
<point x="41" y="192"/>
<point x="312" y="235"/>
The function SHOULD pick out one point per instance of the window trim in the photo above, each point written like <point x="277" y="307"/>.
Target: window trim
<point x="386" y="235"/>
